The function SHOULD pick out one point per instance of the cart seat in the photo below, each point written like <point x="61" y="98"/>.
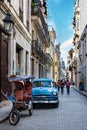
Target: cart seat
<point x="28" y="91"/>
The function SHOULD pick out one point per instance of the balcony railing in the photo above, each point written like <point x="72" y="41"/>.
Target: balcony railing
<point x="50" y="60"/>
<point x="36" y="49"/>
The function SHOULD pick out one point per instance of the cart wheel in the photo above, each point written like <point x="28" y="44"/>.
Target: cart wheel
<point x="14" y="117"/>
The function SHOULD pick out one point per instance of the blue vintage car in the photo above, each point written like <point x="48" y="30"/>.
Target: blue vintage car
<point x="45" y="91"/>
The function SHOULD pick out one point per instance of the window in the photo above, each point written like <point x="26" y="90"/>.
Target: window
<point x="32" y="34"/>
<point x="27" y="14"/>
<point x="9" y="1"/>
<point x="18" y="59"/>
<point x="32" y="66"/>
<point x="26" y="62"/>
<point x="21" y="9"/>
<point x="78" y="2"/>
<point x="77" y="23"/>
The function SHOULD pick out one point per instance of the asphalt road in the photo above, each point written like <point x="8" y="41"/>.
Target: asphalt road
<point x="70" y="115"/>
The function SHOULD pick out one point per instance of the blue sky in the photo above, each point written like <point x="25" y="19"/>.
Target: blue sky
<point x="60" y="16"/>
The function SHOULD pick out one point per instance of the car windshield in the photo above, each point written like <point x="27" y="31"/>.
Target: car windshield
<point x="43" y="84"/>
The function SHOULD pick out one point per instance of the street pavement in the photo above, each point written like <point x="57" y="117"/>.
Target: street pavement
<point x="6" y="106"/>
<point x="70" y="115"/>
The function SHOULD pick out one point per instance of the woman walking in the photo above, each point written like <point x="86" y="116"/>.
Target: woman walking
<point x="68" y="86"/>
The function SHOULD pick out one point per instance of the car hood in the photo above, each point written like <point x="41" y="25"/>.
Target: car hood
<point x="43" y="90"/>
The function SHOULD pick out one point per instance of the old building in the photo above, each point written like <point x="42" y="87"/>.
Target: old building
<point x="40" y="38"/>
<point x="50" y="52"/>
<point x="15" y="44"/>
<point x="79" y="22"/>
<point x="57" y="62"/>
<point x="70" y="65"/>
<point x="82" y="70"/>
<point x="27" y="48"/>
<point x="76" y="26"/>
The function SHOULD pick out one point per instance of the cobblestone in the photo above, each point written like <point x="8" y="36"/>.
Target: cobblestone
<point x="70" y="115"/>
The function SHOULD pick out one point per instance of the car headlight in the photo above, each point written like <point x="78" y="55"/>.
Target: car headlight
<point x="54" y="93"/>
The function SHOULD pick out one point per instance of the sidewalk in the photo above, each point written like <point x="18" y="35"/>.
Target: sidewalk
<point x="82" y="92"/>
<point x="5" y="108"/>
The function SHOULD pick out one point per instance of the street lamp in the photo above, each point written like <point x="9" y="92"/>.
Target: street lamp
<point x="8" y="23"/>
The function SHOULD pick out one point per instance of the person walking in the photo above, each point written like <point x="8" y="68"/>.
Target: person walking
<point x="62" y="86"/>
<point x="59" y="85"/>
<point x="68" y="86"/>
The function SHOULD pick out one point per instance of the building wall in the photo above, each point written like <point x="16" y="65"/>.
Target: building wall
<point x="50" y="51"/>
<point x="15" y="4"/>
<point x="36" y="60"/>
<point x="81" y="49"/>
<point x="83" y="12"/>
<point x="20" y="36"/>
<point x="55" y="66"/>
<point x="83" y="58"/>
<point x="40" y="37"/>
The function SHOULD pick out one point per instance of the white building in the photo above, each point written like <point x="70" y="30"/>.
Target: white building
<point x="19" y="47"/>
<point x="82" y="69"/>
<point x="80" y="21"/>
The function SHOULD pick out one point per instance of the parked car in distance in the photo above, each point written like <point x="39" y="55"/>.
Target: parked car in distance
<point x="44" y="90"/>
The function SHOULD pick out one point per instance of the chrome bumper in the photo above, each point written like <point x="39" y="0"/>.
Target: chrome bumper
<point x="56" y="101"/>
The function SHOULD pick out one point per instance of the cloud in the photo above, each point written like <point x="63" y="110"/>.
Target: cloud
<point x="65" y="47"/>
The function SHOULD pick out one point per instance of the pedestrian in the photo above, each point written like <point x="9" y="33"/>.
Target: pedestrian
<point x="68" y="86"/>
<point x="62" y="86"/>
<point x="58" y="85"/>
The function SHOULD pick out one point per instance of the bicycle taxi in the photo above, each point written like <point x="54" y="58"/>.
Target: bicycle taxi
<point x="21" y="97"/>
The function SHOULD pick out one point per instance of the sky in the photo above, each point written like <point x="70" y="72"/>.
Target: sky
<point x="60" y="16"/>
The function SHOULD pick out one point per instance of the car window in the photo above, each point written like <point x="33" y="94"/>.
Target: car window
<point x="36" y="84"/>
<point x="44" y="84"/>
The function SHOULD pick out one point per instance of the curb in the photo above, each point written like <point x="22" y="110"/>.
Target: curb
<point x="4" y="119"/>
<point x="81" y="92"/>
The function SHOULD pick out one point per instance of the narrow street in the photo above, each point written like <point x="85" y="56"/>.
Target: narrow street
<point x="70" y="115"/>
<point x="43" y="40"/>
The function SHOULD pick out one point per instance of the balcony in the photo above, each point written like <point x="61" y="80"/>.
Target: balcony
<point x="36" y="49"/>
<point x="38" y="53"/>
<point x="77" y="10"/>
<point x="74" y="63"/>
<point x="50" y="60"/>
<point x="42" y="28"/>
<point x="44" y="59"/>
